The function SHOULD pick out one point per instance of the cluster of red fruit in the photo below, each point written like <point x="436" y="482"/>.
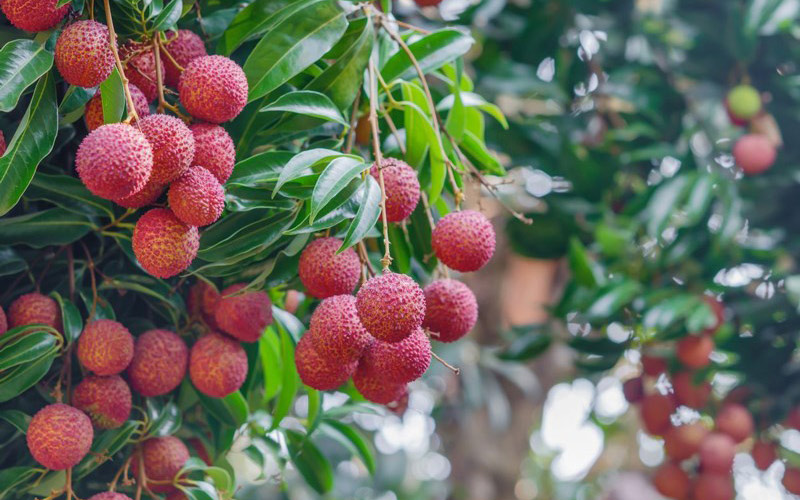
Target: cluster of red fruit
<point x="754" y="152"/>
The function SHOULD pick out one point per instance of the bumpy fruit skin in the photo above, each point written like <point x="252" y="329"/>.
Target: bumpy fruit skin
<point x="764" y="454"/>
<point x="34" y="15"/>
<point x="196" y="197"/>
<point x="107" y="400"/>
<point x="710" y="486"/>
<point x="213" y="89"/>
<point x="656" y="410"/>
<point x="159" y="363"/>
<point x="672" y="481"/>
<point x="163" y="458"/>
<point x="791" y="480"/>
<point x="402" y="188"/>
<point x="217" y="365"/>
<point x="391" y="306"/>
<point x="202" y="300"/>
<point x="243" y="316"/>
<point x="140" y="68"/>
<point x="3" y="322"/>
<point x="93" y="116"/>
<point x="34" y="308"/>
<point x="172" y="143"/>
<point x="376" y="388"/>
<point x="324" y="273"/>
<point x="319" y="373"/>
<point x="633" y="390"/>
<point x="336" y="332"/>
<point x="105" y="347"/>
<point x="717" y="452"/>
<point x="164" y="245"/>
<point x="145" y="196"/>
<point x="59" y="436"/>
<point x="213" y="150"/>
<point x="744" y="102"/>
<point x="464" y="241"/>
<point x="451" y="309"/>
<point x="114" y="161"/>
<point x="735" y="421"/>
<point x="398" y="362"/>
<point x="693" y="351"/>
<point x="109" y="495"/>
<point x="682" y="442"/>
<point x="688" y="393"/>
<point x="184" y="46"/>
<point x="754" y="153"/>
<point x="83" y="54"/>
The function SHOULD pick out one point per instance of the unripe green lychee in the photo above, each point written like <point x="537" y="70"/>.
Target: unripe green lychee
<point x="683" y="441"/>
<point x="172" y="143"/>
<point x="202" y="300"/>
<point x="140" y="67"/>
<point x="398" y="362"/>
<point x="160" y="458"/>
<point x="325" y="273"/>
<point x="713" y="486"/>
<point x="744" y="102"/>
<point x="791" y="480"/>
<point x="109" y="495"/>
<point x="450" y="309"/>
<point x="694" y="351"/>
<point x="764" y="454"/>
<point x="376" y="388"/>
<point x="83" y="54"/>
<point x="34" y="15"/>
<point x="105" y="347"/>
<point x="143" y="197"/>
<point x="59" y="436"/>
<point x="754" y="153"/>
<point x="93" y="115"/>
<point x="114" y="161"/>
<point x="107" y="400"/>
<point x="3" y="322"/>
<point x="196" y="197"/>
<point x="336" y="331"/>
<point x="717" y="452"/>
<point x="184" y="46"/>
<point x="735" y="421"/>
<point x="672" y="481"/>
<point x="319" y="373"/>
<point x="391" y="306"/>
<point x="34" y="308"/>
<point x="401" y="188"/>
<point x="689" y="393"/>
<point x="655" y="411"/>
<point x="213" y="89"/>
<point x="163" y="245"/>
<point x="464" y="241"/>
<point x="214" y="150"/>
<point x="160" y="358"/>
<point x="217" y="365"/>
<point x="243" y="315"/>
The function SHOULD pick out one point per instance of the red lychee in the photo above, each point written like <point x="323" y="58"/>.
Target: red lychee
<point x="711" y="486"/>
<point x="653" y="366"/>
<point x="3" y="322"/>
<point x="109" y="495"/>
<point x="451" y="309"/>
<point x="401" y="188"/>
<point x="196" y="197"/>
<point x="792" y="419"/>
<point x="59" y="436"/>
<point x="764" y="454"/>
<point x="400" y="405"/>
<point x="213" y="150"/>
<point x="163" y="245"/>
<point x="325" y="273"/>
<point x="717" y="452"/>
<point x="633" y="390"/>
<point x="376" y="388"/>
<point x="34" y="15"/>
<point x="694" y="351"/>
<point x="213" y="89"/>
<point x="464" y="241"/>
<point x="291" y="301"/>
<point x="217" y="365"/>
<point x="145" y="196"/>
<point x="34" y="308"/>
<point x="736" y="421"/>
<point x="398" y="362"/>
<point x="161" y="458"/>
<point x="2" y="143"/>
<point x="427" y="3"/>
<point x="114" y="161"/>
<point x="656" y="410"/>
<point x="336" y="332"/>
<point x="754" y="153"/>
<point x="105" y="347"/>
<point x="202" y="300"/>
<point x="159" y="363"/>
<point x="319" y="373"/>
<point x="688" y="393"/>
<point x="184" y="46"/>
<point x="682" y="442"/>
<point x="83" y="54"/>
<point x="172" y="143"/>
<point x="140" y="67"/>
<point x="391" y="306"/>
<point x="243" y="315"/>
<point x="791" y="480"/>
<point x="672" y="481"/>
<point x="107" y="400"/>
<point x="94" y="108"/>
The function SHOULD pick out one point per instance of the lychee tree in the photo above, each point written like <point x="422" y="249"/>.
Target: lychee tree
<point x="210" y="210"/>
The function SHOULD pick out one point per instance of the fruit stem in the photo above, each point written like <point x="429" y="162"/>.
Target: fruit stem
<point x="364" y="256"/>
<point x="122" y="471"/>
<point x="68" y="485"/>
<point x="169" y="56"/>
<point x="162" y="103"/>
<point x="90" y="265"/>
<point x="447" y="365"/>
<point x="376" y="144"/>
<point x="112" y="38"/>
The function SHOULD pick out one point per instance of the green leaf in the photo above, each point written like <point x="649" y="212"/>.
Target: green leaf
<point x="369" y="210"/>
<point x="310" y="462"/>
<point x="473" y="100"/>
<point x="263" y="168"/>
<point x="231" y="410"/>
<point x="336" y="177"/>
<point x="301" y="164"/>
<point x="106" y="444"/>
<point x="599" y="346"/>
<point x="22" y="62"/>
<point x="612" y="298"/>
<point x="163" y="420"/>
<point x="112" y="96"/>
<point x="75" y="99"/>
<point x="168" y="17"/>
<point x="353" y="440"/>
<point x="532" y="343"/>
<point x="289" y="378"/>
<point x="221" y="477"/>
<point x="22" y="377"/>
<point x="308" y="103"/>
<point x="27" y="349"/>
<point x="70" y="317"/>
<point x="200" y="491"/>
<point x="584" y="270"/>
<point x="269" y="353"/>
<point x="419" y="120"/>
<point x="54" y="226"/>
<point x="68" y="193"/>
<point x="255" y="19"/>
<point x="11" y="262"/>
<point x="431" y="52"/>
<point x="16" y="418"/>
<point x="11" y="478"/>
<point x="480" y="155"/>
<point x="314" y="407"/>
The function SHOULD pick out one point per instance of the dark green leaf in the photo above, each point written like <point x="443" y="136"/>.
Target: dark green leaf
<point x="353" y="440"/>
<point x="69" y="193"/>
<point x="369" y="210"/>
<point x="431" y="51"/>
<point x="26" y="349"/>
<point x="336" y="176"/>
<point x="54" y="226"/>
<point x="22" y="62"/>
<point x="308" y="103"/>
<point x="310" y="462"/>
<point x="112" y="96"/>
<point x="169" y="16"/>
<point x="18" y="419"/>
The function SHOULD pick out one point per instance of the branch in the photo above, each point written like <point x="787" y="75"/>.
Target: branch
<point x="376" y="144"/>
<point x="112" y="38"/>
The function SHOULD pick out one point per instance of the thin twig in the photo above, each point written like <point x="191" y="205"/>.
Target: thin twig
<point x="90" y="265"/>
<point x="112" y="38"/>
<point x="162" y="103"/>
<point x="387" y="117"/>
<point x="376" y="144"/>
<point x="447" y="365"/>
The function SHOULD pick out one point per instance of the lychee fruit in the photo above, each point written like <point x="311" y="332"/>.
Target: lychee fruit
<point x="145" y="196"/>
<point x="464" y="241"/>
<point x="717" y="452"/>
<point x="93" y="115"/>
<point x="398" y="362"/>
<point x="744" y="102"/>
<point x="291" y="301"/>
<point x="653" y="366"/>
<point x="114" y="161"/>
<point x="83" y="54"/>
<point x="792" y="419"/>
<point x="217" y="365"/>
<point x="184" y="46"/>
<point x="400" y="405"/>
<point x="196" y="197"/>
<point x="377" y="388"/>
<point x="160" y="458"/>
<point x="656" y="410"/>
<point x="243" y="315"/>
<point x="713" y="486"/>
<point x="172" y="143"/>
<point x="791" y="480"/>
<point x="202" y="300"/>
<point x="3" y="322"/>
<point x="34" y="15"/>
<point x="213" y="150"/>
<point x="160" y="358"/>
<point x="401" y="188"/>
<point x="754" y="153"/>
<point x="694" y="351"/>
<point x="683" y="441"/>
<point x="325" y="273"/>
<point x="450" y="309"/>
<point x="736" y="421"/>
<point x="633" y="390"/>
<point x="34" y="308"/>
<point x="391" y="306"/>
<point x="59" y="436"/>
<point x="213" y="89"/>
<point x="105" y="347"/>
<point x="672" y="481"/>
<point x="317" y="372"/>
<point x="2" y="143"/>
<point x="336" y="331"/>
<point x="109" y="495"/>
<point x="688" y="393"/>
<point x="163" y="245"/>
<point x="140" y="67"/>
<point x="427" y="3"/>
<point x="107" y="400"/>
<point x="764" y="454"/>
